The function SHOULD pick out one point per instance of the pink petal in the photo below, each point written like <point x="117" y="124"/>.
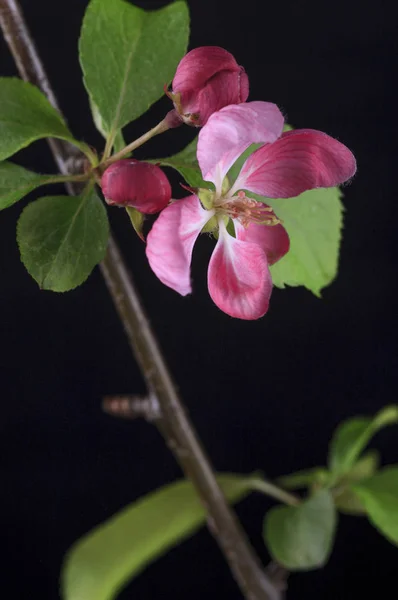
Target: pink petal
<point x="230" y="131"/>
<point x="273" y="239"/>
<point x="300" y="160"/>
<point x="226" y="87"/>
<point x="199" y="65"/>
<point x="239" y="280"/>
<point x="171" y="239"/>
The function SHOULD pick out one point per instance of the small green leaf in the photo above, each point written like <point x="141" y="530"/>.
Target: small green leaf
<point x="346" y="500"/>
<point x="185" y="162"/>
<point x="16" y="182"/>
<point x="128" y="55"/>
<point x="62" y="238"/>
<point x="352" y="436"/>
<point x="301" y="537"/>
<point x="379" y="496"/>
<point x="137" y="219"/>
<point x="304" y="478"/>
<point x="25" y="116"/>
<point x="106" y="558"/>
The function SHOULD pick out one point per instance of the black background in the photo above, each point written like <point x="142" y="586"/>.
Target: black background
<point x="264" y="395"/>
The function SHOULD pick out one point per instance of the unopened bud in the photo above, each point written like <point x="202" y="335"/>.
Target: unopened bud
<point x="142" y="185"/>
<point x="207" y="79"/>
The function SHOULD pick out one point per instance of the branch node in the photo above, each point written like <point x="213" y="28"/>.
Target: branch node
<point x="132" y="407"/>
<point x="278" y="575"/>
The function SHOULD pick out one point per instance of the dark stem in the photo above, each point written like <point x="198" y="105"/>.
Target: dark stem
<point x="173" y="421"/>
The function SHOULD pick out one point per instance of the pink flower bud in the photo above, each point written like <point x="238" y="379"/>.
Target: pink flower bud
<point x="206" y="80"/>
<point x="142" y="185"/>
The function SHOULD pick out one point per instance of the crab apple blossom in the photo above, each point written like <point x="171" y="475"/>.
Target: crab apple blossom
<point x="137" y="184"/>
<point x="285" y="165"/>
<point x="207" y="79"/>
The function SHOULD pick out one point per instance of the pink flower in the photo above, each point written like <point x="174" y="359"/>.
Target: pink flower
<point x="285" y="165"/>
<point x="207" y="79"/>
<point x="142" y="185"/>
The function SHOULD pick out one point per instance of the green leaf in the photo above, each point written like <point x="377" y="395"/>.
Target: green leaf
<point x="379" y="496"/>
<point x="304" y="478"/>
<point x="137" y="219"/>
<point x="128" y="55"/>
<point x="301" y="537"/>
<point x="348" y="503"/>
<point x="25" y="116"/>
<point x="16" y="182"/>
<point x="185" y="162"/>
<point x="346" y="500"/>
<point x="313" y="221"/>
<point x="62" y="238"/>
<point x="352" y="436"/>
<point x="119" y="142"/>
<point x="106" y="558"/>
<point x="366" y="466"/>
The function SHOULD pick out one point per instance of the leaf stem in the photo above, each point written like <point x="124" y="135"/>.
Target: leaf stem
<point x="159" y="128"/>
<point x="68" y="178"/>
<point x="174" y="422"/>
<point x="91" y="155"/>
<point x="272" y="490"/>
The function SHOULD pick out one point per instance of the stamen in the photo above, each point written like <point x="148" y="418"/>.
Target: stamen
<point x="247" y="210"/>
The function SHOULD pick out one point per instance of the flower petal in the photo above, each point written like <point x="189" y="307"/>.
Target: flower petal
<point x="300" y="160"/>
<point x="171" y="239"/>
<point x="239" y="280"/>
<point x="273" y="239"/>
<point x="230" y="131"/>
<point x="199" y="65"/>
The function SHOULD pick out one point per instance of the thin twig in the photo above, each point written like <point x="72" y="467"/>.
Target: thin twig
<point x="175" y="426"/>
<point x="159" y="128"/>
<point x="272" y="490"/>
